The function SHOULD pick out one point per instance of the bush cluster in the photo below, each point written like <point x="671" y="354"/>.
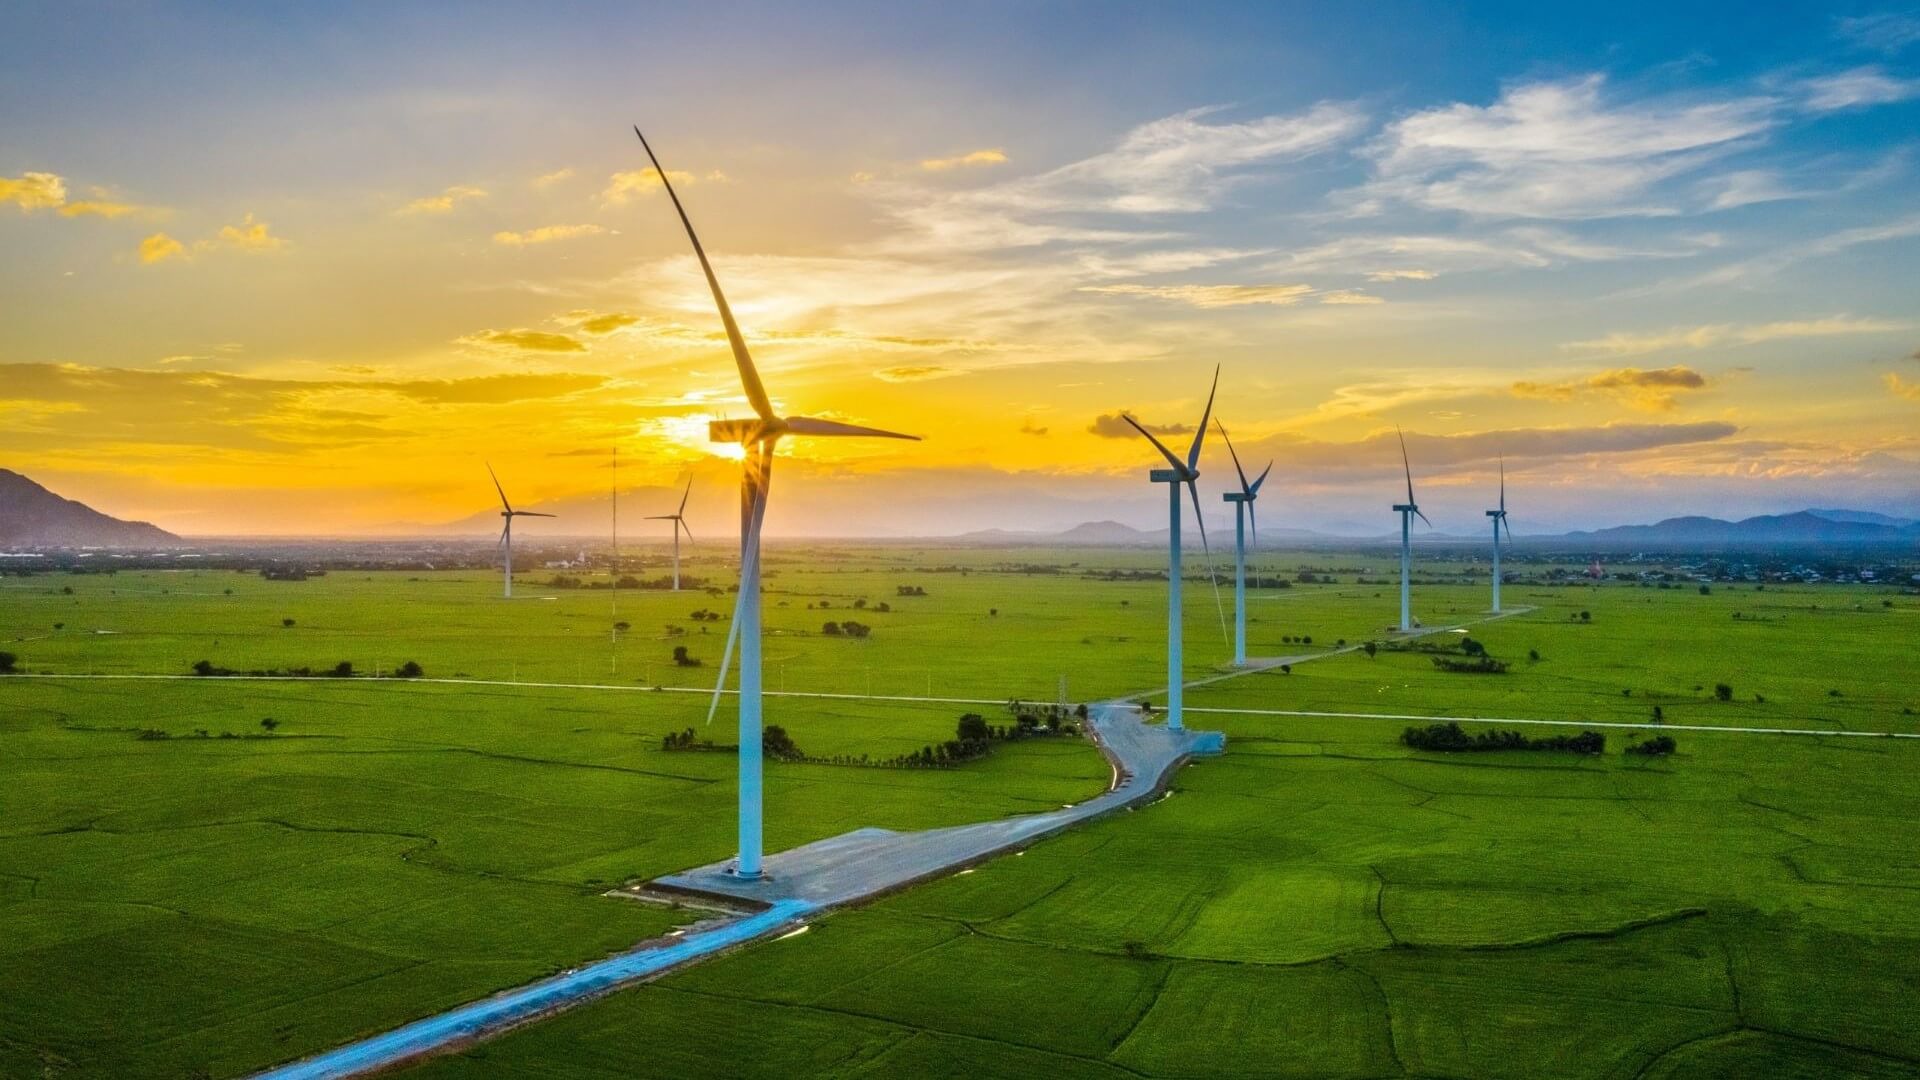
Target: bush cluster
<point x="1658" y="746"/>
<point x="1451" y="738"/>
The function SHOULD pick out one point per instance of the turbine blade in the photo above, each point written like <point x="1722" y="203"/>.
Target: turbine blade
<point x="498" y="488"/>
<point x="751" y="558"/>
<point x="1406" y="465"/>
<point x="681" y="524"/>
<point x="749" y="376"/>
<point x="531" y="513"/>
<point x="684" y="496"/>
<point x="659" y="517"/>
<point x="1219" y="609"/>
<point x="1255" y="490"/>
<point x="502" y="542"/>
<point x="1157" y="444"/>
<point x="1253" y="522"/>
<point x="1200" y="433"/>
<point x="1503" y="485"/>
<point x="1422" y="517"/>
<point x="1244" y="489"/>
<point x="807" y="425"/>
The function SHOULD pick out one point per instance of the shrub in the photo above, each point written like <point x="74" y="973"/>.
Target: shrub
<point x="831" y="629"/>
<point x="1483" y="665"/>
<point x="1533" y="655"/>
<point x="286" y="622"/>
<point x="343" y="670"/>
<point x="855" y="629"/>
<point x="1659" y="715"/>
<point x="203" y="667"/>
<point x="409" y="670"/>
<point x="1723" y="691"/>
<point x="1370" y="648"/>
<point x="268" y="724"/>
<point x="1706" y="590"/>
<point x="8" y="662"/>
<point x="1658" y="746"/>
<point x="681" y="659"/>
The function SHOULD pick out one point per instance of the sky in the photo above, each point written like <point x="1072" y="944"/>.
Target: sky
<point x="304" y="270"/>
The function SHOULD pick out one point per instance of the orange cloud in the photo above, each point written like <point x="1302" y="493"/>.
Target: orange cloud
<point x="971" y="159"/>
<point x="1655" y="390"/>
<point x="545" y="234"/>
<point x="444" y="202"/>
<point x="250" y="235"/>
<point x="160" y="247"/>
<point x="33" y="191"/>
<point x="526" y="341"/>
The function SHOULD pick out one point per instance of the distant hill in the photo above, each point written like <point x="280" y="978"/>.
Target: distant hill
<point x="1863" y="517"/>
<point x="33" y="517"/>
<point x="1806" y="527"/>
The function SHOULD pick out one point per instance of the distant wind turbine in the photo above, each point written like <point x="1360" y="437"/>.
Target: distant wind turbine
<point x="508" y="513"/>
<point x="1407" y="511"/>
<point x="1243" y="517"/>
<point x="1499" y="522"/>
<point x="1182" y="472"/>
<point x="678" y="517"/>
<point x="757" y="436"/>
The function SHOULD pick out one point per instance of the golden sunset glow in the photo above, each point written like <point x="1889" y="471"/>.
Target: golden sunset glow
<point x="1636" y="293"/>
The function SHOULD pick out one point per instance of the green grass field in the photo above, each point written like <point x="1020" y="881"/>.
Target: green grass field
<point x="1318" y="902"/>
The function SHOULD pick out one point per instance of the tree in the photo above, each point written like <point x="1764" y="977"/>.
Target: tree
<point x="7" y="662"/>
<point x="1586" y="616"/>
<point x="1370" y="648"/>
<point x="269" y="724"/>
<point x="681" y="658"/>
<point x="286" y="622"/>
<point x="203" y="667"/>
<point x="972" y="728"/>
<point x="830" y="628"/>
<point x="343" y="670"/>
<point x="777" y="744"/>
<point x="1659" y="715"/>
<point x="1723" y="691"/>
<point x="409" y="670"/>
<point x="1706" y="590"/>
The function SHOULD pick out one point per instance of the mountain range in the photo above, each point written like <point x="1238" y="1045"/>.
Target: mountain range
<point x="33" y="517"/>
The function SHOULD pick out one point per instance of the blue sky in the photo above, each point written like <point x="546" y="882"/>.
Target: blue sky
<point x="1663" y="255"/>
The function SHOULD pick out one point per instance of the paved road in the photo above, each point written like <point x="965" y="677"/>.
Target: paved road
<point x="799" y="883"/>
<point x="495" y="1014"/>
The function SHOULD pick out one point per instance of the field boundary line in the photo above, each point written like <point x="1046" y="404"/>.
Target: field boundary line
<point x="1737" y="730"/>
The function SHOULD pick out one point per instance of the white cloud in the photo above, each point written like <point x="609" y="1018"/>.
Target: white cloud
<point x="1621" y="343"/>
<point x="1886" y="31"/>
<point x="1555" y="150"/>
<point x="1401" y="275"/>
<point x="1860" y="87"/>
<point x="1177" y="165"/>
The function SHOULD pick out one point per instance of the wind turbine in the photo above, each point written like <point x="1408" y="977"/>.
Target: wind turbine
<point x="756" y="437"/>
<point x="506" y="534"/>
<point x="1182" y="472"/>
<point x="1242" y="501"/>
<point x="679" y="522"/>
<point x="1407" y="511"/>
<point x="1499" y="522"/>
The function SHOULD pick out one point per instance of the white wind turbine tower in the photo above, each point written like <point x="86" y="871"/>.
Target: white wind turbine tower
<point x="1243" y="518"/>
<point x="678" y="517"/>
<point x="757" y="437"/>
<point x="508" y="513"/>
<point x="1499" y="522"/>
<point x="1182" y="472"/>
<point x="1407" y="511"/>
